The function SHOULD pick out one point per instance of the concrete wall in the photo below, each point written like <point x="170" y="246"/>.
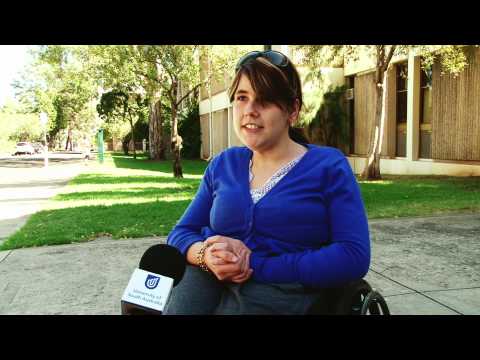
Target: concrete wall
<point x="333" y="76"/>
<point x="233" y="138"/>
<point x="366" y="62"/>
<point x="205" y="133"/>
<point x="219" y="131"/>
<point x="420" y="167"/>
<point x="217" y="102"/>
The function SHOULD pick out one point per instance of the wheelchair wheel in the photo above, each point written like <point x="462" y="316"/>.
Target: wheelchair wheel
<point x="374" y="304"/>
<point x="355" y="298"/>
<point x="352" y="298"/>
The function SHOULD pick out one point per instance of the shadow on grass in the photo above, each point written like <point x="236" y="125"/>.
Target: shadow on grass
<point x="84" y="223"/>
<point x="110" y="179"/>
<point x="131" y="192"/>
<point x="192" y="167"/>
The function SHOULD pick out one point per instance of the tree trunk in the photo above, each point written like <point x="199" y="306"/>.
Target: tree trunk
<point x="176" y="146"/>
<point x="372" y="166"/>
<point x="176" y="139"/>
<point x="133" y="136"/>
<point x="155" y="132"/>
<point x="51" y="142"/>
<point x="69" y="139"/>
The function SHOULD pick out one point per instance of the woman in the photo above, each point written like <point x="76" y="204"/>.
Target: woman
<point x="274" y="218"/>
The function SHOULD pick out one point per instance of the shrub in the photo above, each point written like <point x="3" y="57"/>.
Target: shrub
<point x="141" y="132"/>
<point x="189" y="130"/>
<point x="329" y="126"/>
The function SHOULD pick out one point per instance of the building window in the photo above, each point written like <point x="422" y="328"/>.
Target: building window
<point x="350" y="82"/>
<point x="402" y="86"/>
<point x="401" y="110"/>
<point x="425" y="144"/>
<point x="426" y="97"/>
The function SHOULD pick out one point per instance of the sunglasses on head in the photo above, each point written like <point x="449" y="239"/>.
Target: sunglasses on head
<point x="275" y="57"/>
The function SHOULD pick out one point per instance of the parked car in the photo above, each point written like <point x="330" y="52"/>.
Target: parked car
<point x="24" y="148"/>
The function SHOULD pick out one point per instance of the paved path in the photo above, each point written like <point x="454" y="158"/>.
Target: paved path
<point x="86" y="278"/>
<point x="427" y="266"/>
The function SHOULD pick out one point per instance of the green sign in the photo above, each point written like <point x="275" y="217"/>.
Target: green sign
<point x="100" y="145"/>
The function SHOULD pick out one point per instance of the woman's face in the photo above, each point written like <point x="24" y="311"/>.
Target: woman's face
<point x="259" y="126"/>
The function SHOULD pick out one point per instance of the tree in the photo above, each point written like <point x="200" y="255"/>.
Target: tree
<point x="77" y="90"/>
<point x="36" y="89"/>
<point x="123" y="104"/>
<point x="452" y="58"/>
<point x="17" y="126"/>
<point x="56" y="82"/>
<point x="176" y="71"/>
<point x="75" y="97"/>
<point x="169" y="74"/>
<point x="120" y="66"/>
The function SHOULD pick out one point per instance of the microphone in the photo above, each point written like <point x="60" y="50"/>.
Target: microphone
<point x="161" y="268"/>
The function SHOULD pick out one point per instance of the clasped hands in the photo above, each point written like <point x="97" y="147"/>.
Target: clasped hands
<point x="228" y="259"/>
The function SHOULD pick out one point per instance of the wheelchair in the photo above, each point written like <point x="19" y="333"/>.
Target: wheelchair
<point x="355" y="298"/>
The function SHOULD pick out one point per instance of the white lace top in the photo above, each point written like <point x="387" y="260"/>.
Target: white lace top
<point x="257" y="194"/>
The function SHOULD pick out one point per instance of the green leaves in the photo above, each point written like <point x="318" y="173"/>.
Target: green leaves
<point x="58" y="81"/>
<point x="452" y="58"/>
<point x="19" y="127"/>
<point x="112" y="104"/>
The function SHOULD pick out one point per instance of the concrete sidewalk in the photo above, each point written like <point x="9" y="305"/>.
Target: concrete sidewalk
<point x="427" y="266"/>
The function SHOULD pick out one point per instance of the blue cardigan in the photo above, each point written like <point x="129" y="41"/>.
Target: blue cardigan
<point x="317" y="203"/>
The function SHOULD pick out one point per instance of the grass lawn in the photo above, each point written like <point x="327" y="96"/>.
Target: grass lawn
<point x="122" y="198"/>
<point x="405" y="196"/>
<point x="135" y="198"/>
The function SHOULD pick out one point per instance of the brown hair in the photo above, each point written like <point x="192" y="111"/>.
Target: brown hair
<point x="276" y="85"/>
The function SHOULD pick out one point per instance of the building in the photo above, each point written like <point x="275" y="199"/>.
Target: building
<point x="432" y="123"/>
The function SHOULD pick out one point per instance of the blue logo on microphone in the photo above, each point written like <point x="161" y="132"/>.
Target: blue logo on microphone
<point x="152" y="281"/>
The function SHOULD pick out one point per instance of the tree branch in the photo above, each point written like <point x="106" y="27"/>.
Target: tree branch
<point x="141" y="73"/>
<point x="389" y="57"/>
<point x="192" y="90"/>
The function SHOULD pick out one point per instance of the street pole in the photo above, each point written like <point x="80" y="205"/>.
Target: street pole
<point x="45" y="162"/>
<point x="43" y="121"/>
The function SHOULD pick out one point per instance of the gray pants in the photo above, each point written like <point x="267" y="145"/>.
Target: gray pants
<point x="200" y="293"/>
